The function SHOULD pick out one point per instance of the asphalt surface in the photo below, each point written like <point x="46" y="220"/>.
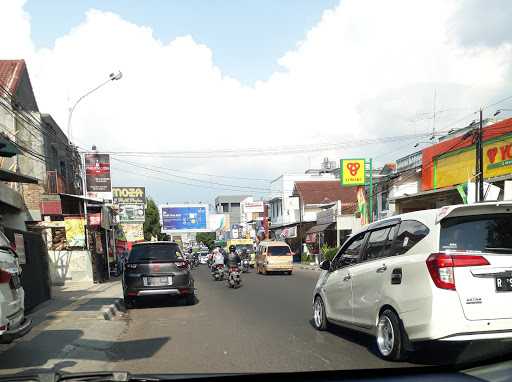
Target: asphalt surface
<point x="264" y="326"/>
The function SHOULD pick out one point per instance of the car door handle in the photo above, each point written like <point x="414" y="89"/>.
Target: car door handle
<point x="382" y="269"/>
<point x="347" y="277"/>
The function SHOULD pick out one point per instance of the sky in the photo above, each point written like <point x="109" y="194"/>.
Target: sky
<point x="304" y="79"/>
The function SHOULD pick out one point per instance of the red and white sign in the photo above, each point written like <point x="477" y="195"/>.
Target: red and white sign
<point x="253" y="207"/>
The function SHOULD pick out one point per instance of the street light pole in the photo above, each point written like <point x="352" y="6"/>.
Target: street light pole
<point x="111" y="77"/>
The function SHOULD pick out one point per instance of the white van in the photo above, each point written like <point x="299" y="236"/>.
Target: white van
<point x="442" y="274"/>
<point x="274" y="256"/>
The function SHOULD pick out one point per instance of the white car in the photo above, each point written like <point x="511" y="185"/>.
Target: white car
<point x="203" y="257"/>
<point x="13" y="323"/>
<point x="443" y="274"/>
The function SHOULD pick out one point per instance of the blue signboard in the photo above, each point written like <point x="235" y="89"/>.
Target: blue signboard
<point x="184" y="218"/>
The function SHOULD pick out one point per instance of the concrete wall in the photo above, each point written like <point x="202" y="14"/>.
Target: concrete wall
<point x="70" y="266"/>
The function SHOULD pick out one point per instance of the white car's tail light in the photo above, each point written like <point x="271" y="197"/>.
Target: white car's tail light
<point x="440" y="266"/>
<point x="5" y="277"/>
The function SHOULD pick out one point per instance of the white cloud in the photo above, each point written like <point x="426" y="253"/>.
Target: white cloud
<point x="367" y="69"/>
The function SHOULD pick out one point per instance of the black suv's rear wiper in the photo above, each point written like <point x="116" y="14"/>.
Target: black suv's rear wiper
<point x="499" y="249"/>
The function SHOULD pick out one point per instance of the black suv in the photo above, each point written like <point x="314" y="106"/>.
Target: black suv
<point x="157" y="268"/>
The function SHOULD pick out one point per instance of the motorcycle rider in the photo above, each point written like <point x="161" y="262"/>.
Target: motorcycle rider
<point x="218" y="258"/>
<point x="232" y="259"/>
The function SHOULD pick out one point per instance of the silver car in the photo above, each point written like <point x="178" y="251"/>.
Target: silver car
<point x="13" y="323"/>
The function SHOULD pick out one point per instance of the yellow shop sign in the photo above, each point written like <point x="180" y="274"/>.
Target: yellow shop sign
<point x="457" y="167"/>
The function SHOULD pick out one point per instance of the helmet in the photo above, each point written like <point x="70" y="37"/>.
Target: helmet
<point x="232" y="248"/>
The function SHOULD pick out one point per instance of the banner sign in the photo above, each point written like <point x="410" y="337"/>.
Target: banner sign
<point x="132" y="232"/>
<point x="352" y="172"/>
<point x="253" y="207"/>
<point x="458" y="166"/>
<point x="287" y="233"/>
<point x="131" y="213"/>
<point x="75" y="231"/>
<point x="129" y="195"/>
<point x="184" y="218"/>
<point x="97" y="176"/>
<point x="94" y="219"/>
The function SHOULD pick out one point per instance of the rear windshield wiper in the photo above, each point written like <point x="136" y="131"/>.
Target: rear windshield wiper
<point x="499" y="249"/>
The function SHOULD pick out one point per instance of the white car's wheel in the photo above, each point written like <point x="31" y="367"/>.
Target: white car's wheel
<point x="390" y="336"/>
<point x="319" y="318"/>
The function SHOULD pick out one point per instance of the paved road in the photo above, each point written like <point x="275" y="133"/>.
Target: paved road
<point x="263" y="326"/>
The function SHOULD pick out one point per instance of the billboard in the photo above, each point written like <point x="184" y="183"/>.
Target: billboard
<point x="97" y="176"/>
<point x="458" y="166"/>
<point x="184" y="218"/>
<point x="131" y="202"/>
<point x="352" y="172"/>
<point x="129" y="195"/>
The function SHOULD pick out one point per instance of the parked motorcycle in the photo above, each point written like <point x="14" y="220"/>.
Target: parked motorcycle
<point x="233" y="279"/>
<point x="218" y="272"/>
<point x="245" y="265"/>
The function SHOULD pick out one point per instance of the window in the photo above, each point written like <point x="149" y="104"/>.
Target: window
<point x="486" y="233"/>
<point x="384" y="201"/>
<point x="350" y="254"/>
<point x="225" y="207"/>
<point x="410" y="233"/>
<point x="379" y="243"/>
<point x="155" y="252"/>
<point x="279" y="251"/>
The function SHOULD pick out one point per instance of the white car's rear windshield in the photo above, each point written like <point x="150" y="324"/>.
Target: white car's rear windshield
<point x="279" y="251"/>
<point x="483" y="233"/>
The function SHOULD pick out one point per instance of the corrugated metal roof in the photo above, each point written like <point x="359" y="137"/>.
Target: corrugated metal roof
<point x="10" y="73"/>
<point x="324" y="192"/>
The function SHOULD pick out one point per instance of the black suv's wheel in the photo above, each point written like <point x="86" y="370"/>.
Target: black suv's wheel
<point x="319" y="318"/>
<point x="390" y="337"/>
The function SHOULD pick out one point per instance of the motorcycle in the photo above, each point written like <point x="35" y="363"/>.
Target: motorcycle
<point x="245" y="265"/>
<point x="218" y="272"/>
<point x="233" y="279"/>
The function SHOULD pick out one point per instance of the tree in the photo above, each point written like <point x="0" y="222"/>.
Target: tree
<point x="207" y="238"/>
<point x="152" y="223"/>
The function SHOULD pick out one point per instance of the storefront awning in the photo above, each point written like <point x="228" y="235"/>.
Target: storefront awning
<point x="321" y="227"/>
<point x="92" y="200"/>
<point x="10" y="176"/>
<point x="424" y="194"/>
<point x="7" y="148"/>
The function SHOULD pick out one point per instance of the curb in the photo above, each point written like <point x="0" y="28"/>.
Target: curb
<point x="112" y="310"/>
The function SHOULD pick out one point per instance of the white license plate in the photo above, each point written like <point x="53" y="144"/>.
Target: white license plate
<point x="157" y="281"/>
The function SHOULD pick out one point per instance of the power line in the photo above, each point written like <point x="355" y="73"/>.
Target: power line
<point x="191" y="179"/>
<point x="204" y="174"/>
<point x="249" y="152"/>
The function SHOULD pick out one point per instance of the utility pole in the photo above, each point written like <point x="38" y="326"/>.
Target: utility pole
<point x="370" y="215"/>
<point x="479" y="162"/>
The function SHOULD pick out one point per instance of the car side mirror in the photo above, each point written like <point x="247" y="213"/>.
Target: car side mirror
<point x="325" y="265"/>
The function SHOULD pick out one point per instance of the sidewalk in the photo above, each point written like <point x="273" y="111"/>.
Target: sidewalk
<point x="311" y="267"/>
<point x="72" y="331"/>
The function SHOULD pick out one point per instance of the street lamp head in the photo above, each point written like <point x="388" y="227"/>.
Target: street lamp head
<point x="116" y="76"/>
